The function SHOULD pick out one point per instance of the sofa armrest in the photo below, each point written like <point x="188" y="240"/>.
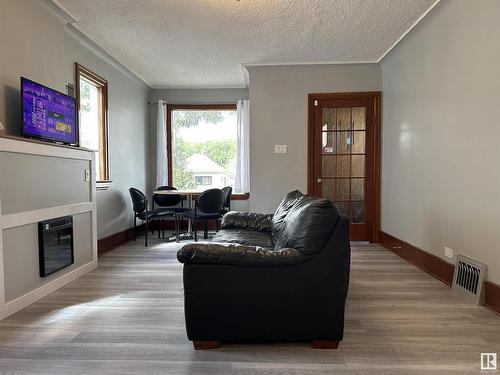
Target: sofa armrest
<point x="247" y="220"/>
<point x="236" y="254"/>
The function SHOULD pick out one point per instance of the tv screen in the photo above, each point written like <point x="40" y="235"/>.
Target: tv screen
<point x="48" y="114"/>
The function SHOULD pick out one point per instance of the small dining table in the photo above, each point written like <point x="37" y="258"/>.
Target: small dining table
<point x="189" y="194"/>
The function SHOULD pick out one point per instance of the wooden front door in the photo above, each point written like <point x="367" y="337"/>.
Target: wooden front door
<point x="344" y="148"/>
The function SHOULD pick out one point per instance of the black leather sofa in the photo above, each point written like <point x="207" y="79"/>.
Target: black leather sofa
<point x="270" y="278"/>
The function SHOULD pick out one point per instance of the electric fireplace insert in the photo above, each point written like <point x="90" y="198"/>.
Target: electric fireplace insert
<point x="55" y="238"/>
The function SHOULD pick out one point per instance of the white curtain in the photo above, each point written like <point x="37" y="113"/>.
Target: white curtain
<point x="161" y="145"/>
<point x="242" y="182"/>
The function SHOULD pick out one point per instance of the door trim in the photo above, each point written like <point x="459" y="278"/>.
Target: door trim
<point x="376" y="97"/>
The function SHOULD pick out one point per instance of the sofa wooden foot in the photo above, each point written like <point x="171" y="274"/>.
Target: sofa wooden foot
<point x="325" y="344"/>
<point x="201" y="345"/>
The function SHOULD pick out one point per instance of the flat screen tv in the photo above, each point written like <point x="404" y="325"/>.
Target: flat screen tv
<point x="48" y="114"/>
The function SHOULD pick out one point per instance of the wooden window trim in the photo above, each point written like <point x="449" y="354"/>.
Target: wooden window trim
<point x="81" y="71"/>
<point x="201" y="107"/>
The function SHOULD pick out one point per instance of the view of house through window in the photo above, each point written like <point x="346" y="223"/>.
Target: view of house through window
<point x="92" y="91"/>
<point x="204" y="147"/>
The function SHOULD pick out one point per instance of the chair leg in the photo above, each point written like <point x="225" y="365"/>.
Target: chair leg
<point x="135" y="225"/>
<point x="205" y="230"/>
<point x="195" y="231"/>
<point x="146" y="235"/>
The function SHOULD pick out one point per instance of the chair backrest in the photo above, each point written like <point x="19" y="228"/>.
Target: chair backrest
<point x="139" y="200"/>
<point x="211" y="201"/>
<point x="166" y="200"/>
<point x="228" y="191"/>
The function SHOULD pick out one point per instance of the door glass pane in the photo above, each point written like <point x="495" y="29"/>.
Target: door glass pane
<point x="344" y="118"/>
<point x="358" y="166"/>
<point x="337" y="142"/>
<point x="342" y="189"/>
<point x="336" y="166"/>
<point x="343" y="208"/>
<point x="336" y="189"/>
<point x="359" y="118"/>
<point x="329" y="119"/>
<point x="328" y="189"/>
<point x="358" y="212"/>
<point x="357" y="189"/>
<point x="329" y="142"/>
<point x="358" y="143"/>
<point x="343" y="160"/>
<point x="343" y="143"/>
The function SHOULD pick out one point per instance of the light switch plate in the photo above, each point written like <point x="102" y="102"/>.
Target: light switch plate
<point x="280" y="149"/>
<point x="448" y="253"/>
<point x="87" y="175"/>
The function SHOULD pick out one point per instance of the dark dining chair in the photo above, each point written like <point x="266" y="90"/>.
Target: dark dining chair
<point x="228" y="191"/>
<point x="207" y="207"/>
<point x="169" y="203"/>
<point x="141" y="211"/>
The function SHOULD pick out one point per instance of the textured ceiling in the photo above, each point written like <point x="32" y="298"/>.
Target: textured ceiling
<point x="203" y="43"/>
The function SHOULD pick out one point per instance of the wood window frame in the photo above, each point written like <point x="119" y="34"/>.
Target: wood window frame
<point x="199" y="107"/>
<point x="376" y="97"/>
<point x="82" y="72"/>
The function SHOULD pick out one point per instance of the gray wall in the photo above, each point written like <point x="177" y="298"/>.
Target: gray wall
<point x="35" y="182"/>
<point x="37" y="44"/>
<point x="278" y="115"/>
<point x="441" y="131"/>
<point x="21" y="266"/>
<point x="191" y="96"/>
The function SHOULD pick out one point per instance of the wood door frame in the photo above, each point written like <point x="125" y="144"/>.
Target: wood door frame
<point x="376" y="97"/>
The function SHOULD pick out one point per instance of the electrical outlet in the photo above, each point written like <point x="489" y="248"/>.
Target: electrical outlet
<point x="280" y="149"/>
<point x="87" y="175"/>
<point x="448" y="253"/>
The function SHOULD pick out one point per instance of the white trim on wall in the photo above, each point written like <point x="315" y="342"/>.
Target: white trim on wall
<point x="29" y="217"/>
<point x="22" y="146"/>
<point x="31" y="297"/>
<point x="407" y="31"/>
<point x="17" y="219"/>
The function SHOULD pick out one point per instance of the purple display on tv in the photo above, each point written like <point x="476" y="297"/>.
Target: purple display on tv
<point x="48" y="114"/>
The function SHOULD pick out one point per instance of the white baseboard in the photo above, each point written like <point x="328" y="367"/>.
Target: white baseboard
<point x="33" y="296"/>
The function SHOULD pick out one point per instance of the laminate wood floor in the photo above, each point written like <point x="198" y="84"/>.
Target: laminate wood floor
<point x="126" y="317"/>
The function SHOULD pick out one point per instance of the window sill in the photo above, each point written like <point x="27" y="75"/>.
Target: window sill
<point x="240" y="196"/>
<point x="103" y="185"/>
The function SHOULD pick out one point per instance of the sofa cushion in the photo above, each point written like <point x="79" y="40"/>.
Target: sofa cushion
<point x="247" y="220"/>
<point x="278" y="222"/>
<point x="308" y="225"/>
<point x="236" y="254"/>
<point x="244" y="237"/>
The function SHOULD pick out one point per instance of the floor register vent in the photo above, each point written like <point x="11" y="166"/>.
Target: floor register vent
<point x="468" y="279"/>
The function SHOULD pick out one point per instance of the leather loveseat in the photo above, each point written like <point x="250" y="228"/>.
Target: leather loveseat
<point x="270" y="278"/>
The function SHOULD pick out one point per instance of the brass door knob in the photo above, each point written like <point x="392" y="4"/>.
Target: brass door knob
<point x="319" y="180"/>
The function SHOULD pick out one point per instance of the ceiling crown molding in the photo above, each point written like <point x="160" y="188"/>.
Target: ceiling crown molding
<point x="407" y="31"/>
<point x="60" y="11"/>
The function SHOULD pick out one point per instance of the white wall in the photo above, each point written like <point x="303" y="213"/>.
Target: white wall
<point x="441" y="133"/>
<point x="36" y="43"/>
<point x="278" y="115"/>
